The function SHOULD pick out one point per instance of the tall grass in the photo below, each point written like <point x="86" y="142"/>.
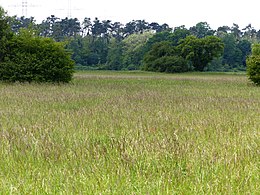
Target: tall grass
<point x="131" y="133"/>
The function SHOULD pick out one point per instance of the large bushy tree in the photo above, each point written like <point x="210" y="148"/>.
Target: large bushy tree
<point x="133" y="51"/>
<point x="253" y="65"/>
<point x="31" y="58"/>
<point x="182" y="51"/>
<point x="162" y="58"/>
<point x="201" y="51"/>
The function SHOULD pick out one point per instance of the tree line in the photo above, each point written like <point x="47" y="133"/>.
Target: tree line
<point x="97" y="44"/>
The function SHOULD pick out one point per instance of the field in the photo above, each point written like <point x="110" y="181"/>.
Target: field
<point x="131" y="133"/>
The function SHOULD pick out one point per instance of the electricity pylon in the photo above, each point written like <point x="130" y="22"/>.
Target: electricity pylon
<point x="24" y="7"/>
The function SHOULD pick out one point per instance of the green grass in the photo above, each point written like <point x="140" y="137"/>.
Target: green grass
<point x="131" y="133"/>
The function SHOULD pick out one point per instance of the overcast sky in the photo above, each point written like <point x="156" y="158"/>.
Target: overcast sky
<point x="173" y="12"/>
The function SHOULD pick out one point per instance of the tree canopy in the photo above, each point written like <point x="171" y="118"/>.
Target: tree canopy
<point x="253" y="65"/>
<point x="200" y="51"/>
<point x="190" y="50"/>
<point x="107" y="44"/>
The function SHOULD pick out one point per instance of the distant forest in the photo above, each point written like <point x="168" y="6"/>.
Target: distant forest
<point x="107" y="45"/>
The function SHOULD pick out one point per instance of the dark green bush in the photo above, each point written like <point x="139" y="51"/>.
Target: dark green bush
<point x="172" y="64"/>
<point x="253" y="65"/>
<point x="30" y="58"/>
<point x="169" y="64"/>
<point x="162" y="58"/>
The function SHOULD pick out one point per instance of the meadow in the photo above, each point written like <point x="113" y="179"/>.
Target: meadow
<point x="131" y="133"/>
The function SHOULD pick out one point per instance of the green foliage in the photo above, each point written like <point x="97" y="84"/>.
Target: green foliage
<point x="170" y="64"/>
<point x="179" y="33"/>
<point x="133" y="49"/>
<point x="114" y="58"/>
<point x="201" y="30"/>
<point x="200" y="51"/>
<point x="31" y="58"/>
<point x="216" y="65"/>
<point x="253" y="65"/>
<point x="59" y="29"/>
<point x="5" y="33"/>
<point x="232" y="54"/>
<point x="161" y="58"/>
<point x="190" y="50"/>
<point x="235" y="52"/>
<point x="156" y="38"/>
<point x="99" y="50"/>
<point x="172" y="37"/>
<point x="79" y="46"/>
<point x="245" y="48"/>
<point x="92" y="41"/>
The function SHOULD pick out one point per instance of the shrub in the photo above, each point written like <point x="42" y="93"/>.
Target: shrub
<point x="253" y="65"/>
<point x="38" y="59"/>
<point x="170" y="64"/>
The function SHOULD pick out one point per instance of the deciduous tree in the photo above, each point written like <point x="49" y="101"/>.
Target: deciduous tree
<point x="253" y="65"/>
<point x="200" y="51"/>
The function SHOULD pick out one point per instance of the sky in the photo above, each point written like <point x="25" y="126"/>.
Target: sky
<point x="173" y="12"/>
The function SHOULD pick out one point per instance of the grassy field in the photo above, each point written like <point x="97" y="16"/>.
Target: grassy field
<point x="131" y="133"/>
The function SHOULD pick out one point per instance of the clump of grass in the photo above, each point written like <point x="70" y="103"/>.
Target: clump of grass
<point x="124" y="133"/>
